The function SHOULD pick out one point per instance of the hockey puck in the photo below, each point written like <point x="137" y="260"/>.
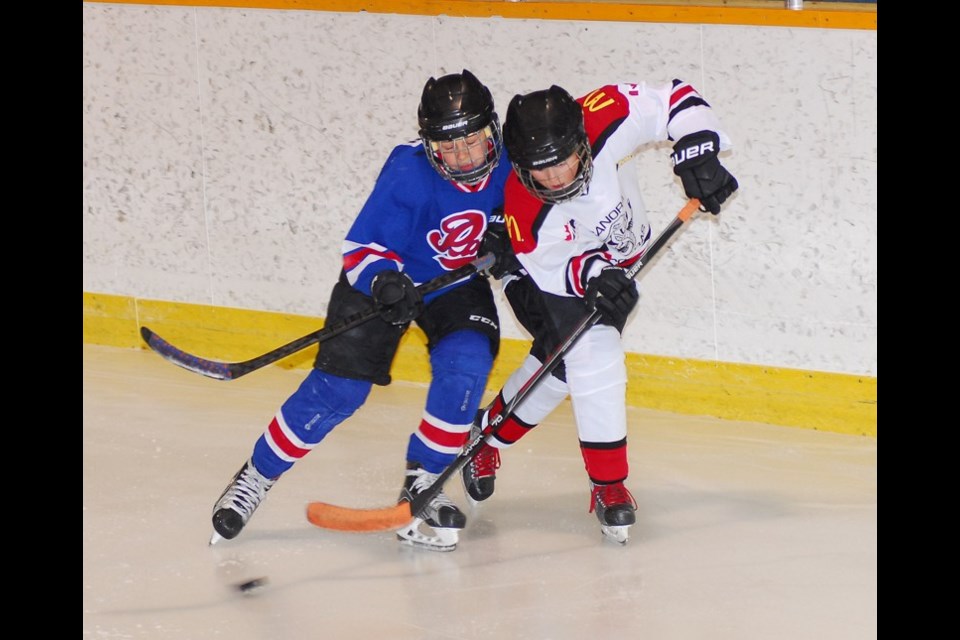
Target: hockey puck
<point x="250" y="585"/>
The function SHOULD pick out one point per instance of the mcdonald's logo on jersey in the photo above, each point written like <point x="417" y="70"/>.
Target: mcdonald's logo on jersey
<point x="592" y="101"/>
<point x="513" y="228"/>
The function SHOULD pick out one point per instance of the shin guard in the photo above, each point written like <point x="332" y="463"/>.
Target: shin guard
<point x="322" y="402"/>
<point x="460" y="363"/>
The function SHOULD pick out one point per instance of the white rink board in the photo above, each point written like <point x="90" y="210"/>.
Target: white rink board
<point x="226" y="152"/>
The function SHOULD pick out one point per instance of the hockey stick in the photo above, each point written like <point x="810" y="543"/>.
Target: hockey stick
<point x="233" y="370"/>
<point x="328" y="516"/>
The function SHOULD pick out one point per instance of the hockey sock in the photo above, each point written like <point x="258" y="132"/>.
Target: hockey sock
<point x="606" y="462"/>
<point x="322" y="402"/>
<point x="460" y="363"/>
<point x="597" y="375"/>
<point x="537" y="405"/>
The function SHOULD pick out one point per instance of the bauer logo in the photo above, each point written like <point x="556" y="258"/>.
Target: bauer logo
<point x="455" y="125"/>
<point x="458" y="238"/>
<point x="692" y="152"/>
<point x="547" y="161"/>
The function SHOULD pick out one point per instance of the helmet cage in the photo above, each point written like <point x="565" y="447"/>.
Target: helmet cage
<point x="580" y="184"/>
<point x="460" y="134"/>
<point x="544" y="129"/>
<point x="458" y="109"/>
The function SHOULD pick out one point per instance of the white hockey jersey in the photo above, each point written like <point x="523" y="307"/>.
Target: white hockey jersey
<point x="562" y="246"/>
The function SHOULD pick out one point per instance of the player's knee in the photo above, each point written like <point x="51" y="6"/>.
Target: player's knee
<point x="322" y="402"/>
<point x="597" y="361"/>
<point x="461" y="363"/>
<point x="464" y="351"/>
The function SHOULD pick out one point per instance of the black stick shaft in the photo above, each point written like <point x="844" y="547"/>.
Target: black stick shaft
<point x="553" y="360"/>
<point x="233" y="370"/>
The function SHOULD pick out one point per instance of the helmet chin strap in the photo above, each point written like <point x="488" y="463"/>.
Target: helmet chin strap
<point x="471" y="187"/>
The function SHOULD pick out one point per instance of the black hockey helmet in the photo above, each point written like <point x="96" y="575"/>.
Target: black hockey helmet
<point x="456" y="107"/>
<point x="543" y="129"/>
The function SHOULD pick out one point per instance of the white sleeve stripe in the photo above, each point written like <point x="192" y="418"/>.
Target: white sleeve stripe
<point x="354" y="274"/>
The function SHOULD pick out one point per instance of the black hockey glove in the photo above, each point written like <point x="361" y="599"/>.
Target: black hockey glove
<point x="613" y="294"/>
<point x="695" y="161"/>
<point x="396" y="297"/>
<point x="496" y="240"/>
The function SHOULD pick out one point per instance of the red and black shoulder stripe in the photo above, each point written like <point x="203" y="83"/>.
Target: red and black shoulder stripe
<point x="683" y="97"/>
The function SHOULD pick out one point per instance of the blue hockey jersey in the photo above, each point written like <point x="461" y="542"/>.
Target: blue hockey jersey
<point x="416" y="222"/>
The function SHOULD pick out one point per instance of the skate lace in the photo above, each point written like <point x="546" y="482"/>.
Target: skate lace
<point x="486" y="462"/>
<point x="248" y="491"/>
<point x="611" y="494"/>
<point x="423" y="482"/>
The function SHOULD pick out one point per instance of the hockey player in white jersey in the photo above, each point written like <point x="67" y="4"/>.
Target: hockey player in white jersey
<point x="576" y="220"/>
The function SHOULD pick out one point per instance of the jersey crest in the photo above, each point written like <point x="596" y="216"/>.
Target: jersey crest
<point x="458" y="238"/>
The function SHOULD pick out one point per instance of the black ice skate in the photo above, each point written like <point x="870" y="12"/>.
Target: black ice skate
<point x="615" y="509"/>
<point x="480" y="474"/>
<point x="441" y="515"/>
<point x="238" y="502"/>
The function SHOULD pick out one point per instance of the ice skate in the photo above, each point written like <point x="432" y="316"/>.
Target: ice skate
<point x="615" y="509"/>
<point x="441" y="515"/>
<point x="238" y="502"/>
<point x="480" y="473"/>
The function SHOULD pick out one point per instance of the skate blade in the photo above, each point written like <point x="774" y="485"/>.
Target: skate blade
<point x="445" y="539"/>
<point x="619" y="534"/>
<point x="472" y="503"/>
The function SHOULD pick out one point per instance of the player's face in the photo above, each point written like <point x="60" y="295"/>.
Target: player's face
<point x="559" y="175"/>
<point x="465" y="154"/>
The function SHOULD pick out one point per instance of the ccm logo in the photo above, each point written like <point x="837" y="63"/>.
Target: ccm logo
<point x="692" y="152"/>
<point x="484" y="320"/>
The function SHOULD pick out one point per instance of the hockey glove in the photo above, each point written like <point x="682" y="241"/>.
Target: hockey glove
<point x="613" y="294"/>
<point x="396" y="297"/>
<point x="496" y="240"/>
<point x="695" y="161"/>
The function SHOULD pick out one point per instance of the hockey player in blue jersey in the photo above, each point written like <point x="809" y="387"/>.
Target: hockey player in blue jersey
<point x="426" y="216"/>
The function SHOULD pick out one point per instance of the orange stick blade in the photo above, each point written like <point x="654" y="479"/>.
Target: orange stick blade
<point x="330" y="516"/>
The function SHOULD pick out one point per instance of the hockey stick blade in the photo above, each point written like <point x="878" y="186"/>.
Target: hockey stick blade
<point x="331" y="516"/>
<point x="233" y="370"/>
<point x="328" y="516"/>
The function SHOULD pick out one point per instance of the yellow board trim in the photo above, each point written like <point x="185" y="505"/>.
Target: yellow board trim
<point x="790" y="397"/>
<point x="821" y="15"/>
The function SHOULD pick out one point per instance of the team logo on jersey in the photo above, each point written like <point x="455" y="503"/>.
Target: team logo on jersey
<point x="458" y="238"/>
<point x="616" y="228"/>
<point x="593" y="101"/>
<point x="513" y="227"/>
<point x="570" y="231"/>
